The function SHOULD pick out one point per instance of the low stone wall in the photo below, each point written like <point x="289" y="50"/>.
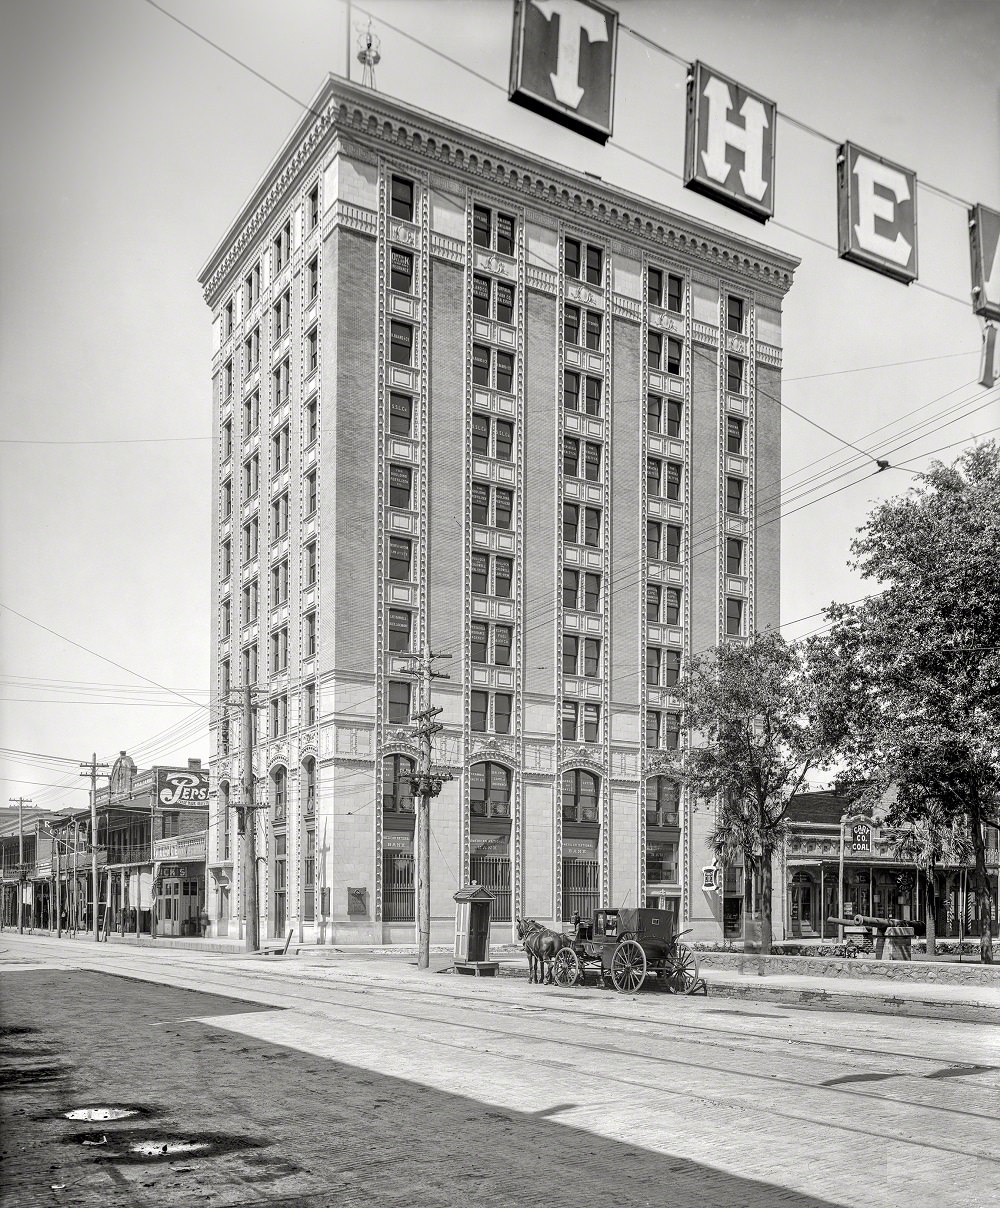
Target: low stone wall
<point x="819" y="966"/>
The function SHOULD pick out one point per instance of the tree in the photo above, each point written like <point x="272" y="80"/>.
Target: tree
<point x="915" y="669"/>
<point x="761" y="727"/>
<point x="926" y="843"/>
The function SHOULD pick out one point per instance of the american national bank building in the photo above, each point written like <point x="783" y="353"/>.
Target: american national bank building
<point x="464" y="396"/>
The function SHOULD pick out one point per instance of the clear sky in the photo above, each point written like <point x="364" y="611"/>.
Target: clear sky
<point x="129" y="146"/>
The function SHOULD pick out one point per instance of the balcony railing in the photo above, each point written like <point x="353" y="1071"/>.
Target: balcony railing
<point x="661" y="817"/>
<point x="135" y="853"/>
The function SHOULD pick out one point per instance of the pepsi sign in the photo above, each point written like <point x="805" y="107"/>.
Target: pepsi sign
<point x="177" y="788"/>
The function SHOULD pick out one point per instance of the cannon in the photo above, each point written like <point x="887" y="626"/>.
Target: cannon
<point x="878" y="931"/>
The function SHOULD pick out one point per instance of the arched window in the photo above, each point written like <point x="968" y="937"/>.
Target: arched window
<point x="397" y="789"/>
<point x="279" y="793"/>
<point x="309" y="784"/>
<point x="224" y="818"/>
<point x="580" y="794"/>
<point x="489" y="790"/>
<point x="663" y="797"/>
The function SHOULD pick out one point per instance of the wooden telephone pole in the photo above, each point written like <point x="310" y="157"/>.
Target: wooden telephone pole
<point x="91" y="771"/>
<point x="21" y="803"/>
<point x="246" y="826"/>
<point x="427" y="784"/>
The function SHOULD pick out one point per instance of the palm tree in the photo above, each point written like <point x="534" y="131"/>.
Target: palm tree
<point x="927" y="843"/>
<point x="735" y="839"/>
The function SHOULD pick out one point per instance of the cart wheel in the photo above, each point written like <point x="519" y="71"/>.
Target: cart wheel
<point x="628" y="967"/>
<point x="684" y="976"/>
<point x="566" y="968"/>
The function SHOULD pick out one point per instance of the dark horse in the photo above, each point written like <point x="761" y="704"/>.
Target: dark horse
<point x="541" y="944"/>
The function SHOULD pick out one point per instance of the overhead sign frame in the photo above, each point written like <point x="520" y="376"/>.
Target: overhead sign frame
<point x="869" y="211"/>
<point x="984" y="246"/>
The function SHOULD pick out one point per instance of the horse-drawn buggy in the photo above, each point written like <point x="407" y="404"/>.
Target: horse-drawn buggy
<point x="622" y="946"/>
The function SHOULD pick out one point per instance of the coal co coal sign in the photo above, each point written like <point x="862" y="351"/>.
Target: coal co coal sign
<point x="563" y="66"/>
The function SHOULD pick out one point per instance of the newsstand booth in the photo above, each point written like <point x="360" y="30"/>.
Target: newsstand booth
<point x="474" y="909"/>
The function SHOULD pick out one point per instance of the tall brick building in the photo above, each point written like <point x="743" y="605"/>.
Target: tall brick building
<point x="463" y="395"/>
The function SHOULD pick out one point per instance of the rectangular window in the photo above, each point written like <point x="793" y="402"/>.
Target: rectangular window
<point x="480" y="503"/>
<point x="503" y="573"/>
<point x="675" y="293"/>
<point x="505" y="372"/>
<point x="311" y="564"/>
<point x="279" y="716"/>
<point x="227" y="439"/>
<point x="674" y="415"/>
<point x="282" y="310"/>
<point x="592" y="527"/>
<point x="502" y="638"/>
<point x="503" y="440"/>
<point x="673" y="480"/>
<point x="571" y="587"/>
<point x="591" y="723"/>
<point x="591" y="657"/>
<point x="571" y="324"/>
<point x="399" y="702"/>
<point x="672" y="605"/>
<point x="592" y="467"/>
<point x="594" y="390"/>
<point x="309" y="639"/>
<point x="311" y="495"/>
<point x="654" y="469"/>
<point x="400" y="414"/>
<point x="734" y="496"/>
<point x="227" y="558"/>
<point x="227" y="378"/>
<point x="591" y="591"/>
<point x="654" y="412"/>
<point x="171" y="825"/>
<point x="401" y="271"/>
<point x="505" y="237"/>
<point x="400" y="559"/>
<point x="734" y="556"/>
<point x="734" y="616"/>
<point x="251" y="476"/>
<point x="654" y="594"/>
<point x="251" y="596"/>
<point x="671" y="667"/>
<point x="309" y="876"/>
<point x="674" y="350"/>
<point x="571" y="391"/>
<point x="654" y="286"/>
<point x="734" y="314"/>
<point x="312" y="279"/>
<point x="595" y="264"/>
<point x="279" y="649"/>
<point x="654" y="349"/>
<point x="482" y="226"/>
<point x="480" y="433"/>
<point x="480" y="642"/>
<point x="479" y="713"/>
<point x="310" y="705"/>
<point x="502" y="709"/>
<point x="671" y="731"/>
<point x="734" y="435"/>
<point x="400" y="487"/>
<point x="280" y="380"/>
<point x="569" y="716"/>
<point x="481" y="364"/>
<point x="400" y="343"/>
<point x="279" y="517"/>
<point x="312" y="351"/>
<point x="571" y="258"/>
<point x="225" y="677"/>
<point x="279" y="449"/>
<point x="653" y="666"/>
<point x="282" y="243"/>
<point x="227" y="618"/>
<point x="251" y="539"/>
<point x="251" y="412"/>
<point x="251" y="349"/>
<point x="401" y="201"/>
<point x="312" y="207"/>
<point x="505" y="303"/>
<point x="652" y="729"/>
<point x="734" y="375"/>
<point x="400" y="625"/>
<point x="227" y="319"/>
<point x="481" y="574"/>
<point x="594" y="323"/>
<point x="482" y="293"/>
<point x="673" y="551"/>
<point x="249" y="660"/>
<point x="279" y="582"/>
<point x="570" y="653"/>
<point x="503" y="507"/>
<point x="251" y="287"/>
<point x="571" y="456"/>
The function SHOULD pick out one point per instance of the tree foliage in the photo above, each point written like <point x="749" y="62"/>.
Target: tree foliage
<point x="761" y="725"/>
<point x="913" y="672"/>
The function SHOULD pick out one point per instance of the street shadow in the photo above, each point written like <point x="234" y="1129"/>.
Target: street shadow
<point x="227" y="1119"/>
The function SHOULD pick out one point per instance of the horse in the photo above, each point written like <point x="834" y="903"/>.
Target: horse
<point x="541" y="944"/>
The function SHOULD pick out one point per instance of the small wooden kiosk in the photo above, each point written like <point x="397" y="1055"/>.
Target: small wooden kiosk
<point x="472" y="932"/>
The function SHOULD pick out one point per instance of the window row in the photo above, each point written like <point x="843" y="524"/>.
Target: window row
<point x="581" y="525"/>
<point x="581" y="656"/>
<point x="492" y="505"/>
<point x="492" y="437"/>
<point x="663" y="667"/>
<point x="581" y="722"/>
<point x="581" y="459"/>
<point x="492" y="299"/>
<point x="663" y="730"/>
<point x="663" y="478"/>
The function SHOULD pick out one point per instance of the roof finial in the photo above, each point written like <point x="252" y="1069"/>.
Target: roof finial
<point x="369" y="57"/>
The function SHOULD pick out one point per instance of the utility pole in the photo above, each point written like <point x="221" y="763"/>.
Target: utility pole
<point x="246" y="823"/>
<point x="91" y="771"/>
<point x="428" y="782"/>
<point x="21" y="803"/>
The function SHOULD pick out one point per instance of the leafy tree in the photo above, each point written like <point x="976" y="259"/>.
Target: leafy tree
<point x="761" y="727"/>
<point x="926" y="843"/>
<point x="914" y="671"/>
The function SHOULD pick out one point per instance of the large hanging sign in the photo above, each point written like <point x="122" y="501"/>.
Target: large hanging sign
<point x="177" y="788"/>
<point x="877" y="213"/>
<point x="984" y="240"/>
<point x="563" y="62"/>
<point x="729" y="148"/>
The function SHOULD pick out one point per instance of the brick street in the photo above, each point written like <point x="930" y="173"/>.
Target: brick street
<point x="318" y="1084"/>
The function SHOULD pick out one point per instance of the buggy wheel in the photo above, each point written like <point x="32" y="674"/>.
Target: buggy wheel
<point x="566" y="969"/>
<point x="628" y="967"/>
<point x="684" y="975"/>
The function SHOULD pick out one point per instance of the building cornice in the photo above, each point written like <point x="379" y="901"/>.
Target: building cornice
<point x="382" y="125"/>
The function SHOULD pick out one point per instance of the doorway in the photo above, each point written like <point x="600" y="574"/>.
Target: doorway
<point x="800" y="905"/>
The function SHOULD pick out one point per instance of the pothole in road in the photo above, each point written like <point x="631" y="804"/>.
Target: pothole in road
<point x="100" y="1113"/>
<point x="157" y="1149"/>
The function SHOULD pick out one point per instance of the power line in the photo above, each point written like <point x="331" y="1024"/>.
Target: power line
<point x="946" y="356"/>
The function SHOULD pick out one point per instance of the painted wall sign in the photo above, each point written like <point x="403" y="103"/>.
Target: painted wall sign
<point x="877" y="213"/>
<point x="729" y="147"/>
<point x="177" y="788"/>
<point x="861" y="839"/>
<point x="984" y="243"/>
<point x="563" y="62"/>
